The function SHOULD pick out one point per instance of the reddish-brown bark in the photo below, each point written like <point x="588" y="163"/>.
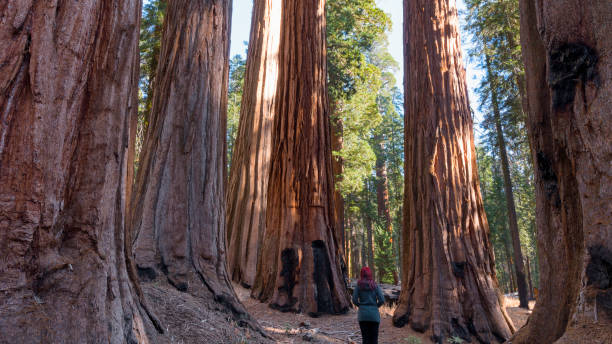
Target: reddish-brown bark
<point x="449" y="286"/>
<point x="299" y="266"/>
<point x="567" y="54"/>
<point x="178" y="205"/>
<point x="248" y="181"/>
<point x="67" y="80"/>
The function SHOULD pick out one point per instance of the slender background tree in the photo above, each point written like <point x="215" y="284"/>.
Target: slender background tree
<point x="495" y="30"/>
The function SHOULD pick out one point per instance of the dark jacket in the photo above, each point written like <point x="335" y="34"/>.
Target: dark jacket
<point x="368" y="301"/>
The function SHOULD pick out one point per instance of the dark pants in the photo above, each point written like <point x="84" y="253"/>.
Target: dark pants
<point x="369" y="332"/>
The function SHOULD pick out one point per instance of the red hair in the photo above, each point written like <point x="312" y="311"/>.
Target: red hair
<point x="366" y="281"/>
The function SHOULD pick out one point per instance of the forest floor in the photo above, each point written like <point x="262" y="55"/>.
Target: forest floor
<point x="300" y="328"/>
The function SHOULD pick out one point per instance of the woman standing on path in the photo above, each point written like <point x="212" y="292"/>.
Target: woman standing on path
<point x="368" y="297"/>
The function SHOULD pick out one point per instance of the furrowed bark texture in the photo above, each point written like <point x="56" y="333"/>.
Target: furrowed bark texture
<point x="250" y="169"/>
<point x="449" y="286"/>
<point x="178" y="209"/>
<point x="509" y="193"/>
<point x="66" y="84"/>
<point x="568" y="58"/>
<point x="299" y="267"/>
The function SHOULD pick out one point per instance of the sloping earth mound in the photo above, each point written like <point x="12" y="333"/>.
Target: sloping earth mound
<point x="194" y="317"/>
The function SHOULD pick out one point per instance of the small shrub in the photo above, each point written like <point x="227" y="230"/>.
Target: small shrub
<point x="413" y="340"/>
<point x="455" y="340"/>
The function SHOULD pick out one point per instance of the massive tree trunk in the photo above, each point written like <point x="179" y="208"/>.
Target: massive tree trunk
<point x="568" y="58"/>
<point x="66" y="87"/>
<point x="299" y="267"/>
<point x="178" y="209"/>
<point x="519" y="266"/>
<point x="449" y="287"/>
<point x="250" y="169"/>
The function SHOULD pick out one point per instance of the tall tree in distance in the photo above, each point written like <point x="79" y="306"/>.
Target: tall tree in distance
<point x="495" y="26"/>
<point x="337" y="143"/>
<point x="364" y="102"/>
<point x="568" y="65"/>
<point x="508" y="189"/>
<point x="68" y="75"/>
<point x="178" y="206"/>
<point x="151" y="30"/>
<point x="150" y="41"/>
<point x="381" y="139"/>
<point x="250" y="169"/>
<point x="382" y="186"/>
<point x="237" y="69"/>
<point x="449" y="285"/>
<point x="352" y="28"/>
<point x="299" y="266"/>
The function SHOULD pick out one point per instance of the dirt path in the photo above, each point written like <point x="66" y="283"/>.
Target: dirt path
<point x="299" y="328"/>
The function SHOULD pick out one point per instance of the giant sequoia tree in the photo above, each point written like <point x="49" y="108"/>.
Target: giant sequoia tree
<point x="67" y="75"/>
<point x="449" y="285"/>
<point x="178" y="209"/>
<point x="299" y="266"/>
<point x="250" y="168"/>
<point x="567" y="52"/>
